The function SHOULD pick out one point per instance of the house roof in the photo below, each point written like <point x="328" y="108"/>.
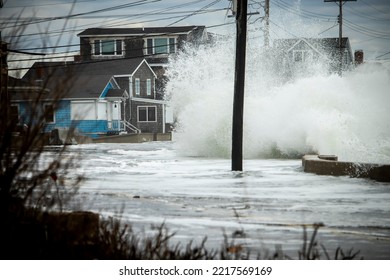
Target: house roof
<point x="81" y="80"/>
<point x="115" y="93"/>
<point x="321" y="43"/>
<point x="138" y="31"/>
<point x="19" y="89"/>
<point x="15" y="82"/>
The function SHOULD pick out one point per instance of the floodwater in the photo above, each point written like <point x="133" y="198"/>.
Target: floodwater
<point x="151" y="183"/>
<point x="187" y="184"/>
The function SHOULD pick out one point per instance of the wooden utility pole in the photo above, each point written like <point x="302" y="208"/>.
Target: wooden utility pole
<point x="340" y="21"/>
<point x="239" y="84"/>
<point x="4" y="99"/>
<point x="266" y="20"/>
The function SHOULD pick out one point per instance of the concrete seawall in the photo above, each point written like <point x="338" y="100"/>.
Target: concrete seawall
<point x="329" y="165"/>
<point x="134" y="138"/>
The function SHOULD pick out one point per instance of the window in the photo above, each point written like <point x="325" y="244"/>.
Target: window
<point x="137" y="86"/>
<point x="147" y="114"/>
<point x="148" y="87"/>
<point x="49" y="113"/>
<point x="108" y="47"/>
<point x="302" y="55"/>
<point x="172" y="45"/>
<point x="298" y="56"/>
<point x="149" y="45"/>
<point x="160" y="45"/>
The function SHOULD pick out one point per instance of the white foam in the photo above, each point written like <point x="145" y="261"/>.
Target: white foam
<point x="348" y="116"/>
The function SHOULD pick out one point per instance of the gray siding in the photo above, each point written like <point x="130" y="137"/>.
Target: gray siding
<point x="150" y="127"/>
<point x="143" y="73"/>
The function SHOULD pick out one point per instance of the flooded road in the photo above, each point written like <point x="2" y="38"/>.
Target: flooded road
<point x="269" y="201"/>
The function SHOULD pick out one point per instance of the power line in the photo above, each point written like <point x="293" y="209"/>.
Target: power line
<point x="60" y="31"/>
<point x="154" y="12"/>
<point x="47" y="4"/>
<point x="134" y="4"/>
<point x="303" y="13"/>
<point x="196" y="12"/>
<point x="284" y="29"/>
<point x="77" y="30"/>
<point x="382" y="55"/>
<point x="335" y="24"/>
<point x="373" y="7"/>
<point x="375" y="32"/>
<point x="360" y="14"/>
<point x="136" y="49"/>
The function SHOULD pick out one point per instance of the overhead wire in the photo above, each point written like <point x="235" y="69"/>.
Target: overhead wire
<point x="154" y="12"/>
<point x="365" y="30"/>
<point x="382" y="55"/>
<point x="360" y="14"/>
<point x="373" y="7"/>
<point x="97" y="61"/>
<point x="46" y="4"/>
<point x="72" y="56"/>
<point x="108" y="25"/>
<point x="133" y="4"/>
<point x="303" y="13"/>
<point x="196" y="12"/>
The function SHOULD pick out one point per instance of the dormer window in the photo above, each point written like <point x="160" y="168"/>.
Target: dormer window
<point x="302" y="55"/>
<point x="108" y="47"/>
<point x="160" y="45"/>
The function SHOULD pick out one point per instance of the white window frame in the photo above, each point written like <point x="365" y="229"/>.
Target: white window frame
<point x="100" y="54"/>
<point x="148" y="87"/>
<point x="137" y="85"/>
<point x="306" y="55"/>
<point x="152" y="49"/>
<point x="147" y="113"/>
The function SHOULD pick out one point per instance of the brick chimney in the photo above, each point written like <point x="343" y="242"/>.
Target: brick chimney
<point x="359" y="55"/>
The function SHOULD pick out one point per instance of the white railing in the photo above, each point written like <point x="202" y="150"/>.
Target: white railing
<point x="118" y="125"/>
<point x="131" y="127"/>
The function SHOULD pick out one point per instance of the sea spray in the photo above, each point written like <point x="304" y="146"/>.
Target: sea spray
<point x="310" y="111"/>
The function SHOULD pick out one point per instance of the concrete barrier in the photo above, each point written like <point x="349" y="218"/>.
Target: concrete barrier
<point x="329" y="165"/>
<point x="134" y="138"/>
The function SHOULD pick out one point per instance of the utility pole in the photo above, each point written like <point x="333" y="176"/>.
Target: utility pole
<point x="266" y="28"/>
<point x="340" y="21"/>
<point x="239" y="84"/>
<point x="4" y="99"/>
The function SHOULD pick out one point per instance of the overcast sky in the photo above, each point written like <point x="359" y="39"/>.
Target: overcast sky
<point x="29" y="24"/>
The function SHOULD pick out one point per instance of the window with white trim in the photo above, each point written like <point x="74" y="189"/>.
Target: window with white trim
<point x="148" y="87"/>
<point x="137" y="87"/>
<point x="108" y="47"/>
<point x="160" y="45"/>
<point x="147" y="113"/>
<point x="302" y="55"/>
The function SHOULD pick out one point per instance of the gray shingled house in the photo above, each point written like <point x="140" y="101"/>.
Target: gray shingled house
<point x="115" y="84"/>
<point x="98" y="97"/>
<point x="296" y="55"/>
<point x="155" y="44"/>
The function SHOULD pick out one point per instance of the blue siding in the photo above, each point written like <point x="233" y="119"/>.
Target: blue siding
<point x="63" y="114"/>
<point x="62" y="117"/>
<point x="91" y="128"/>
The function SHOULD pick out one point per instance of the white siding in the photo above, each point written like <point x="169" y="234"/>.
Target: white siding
<point x="83" y="110"/>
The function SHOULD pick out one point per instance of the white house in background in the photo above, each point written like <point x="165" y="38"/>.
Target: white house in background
<point x="296" y="55"/>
